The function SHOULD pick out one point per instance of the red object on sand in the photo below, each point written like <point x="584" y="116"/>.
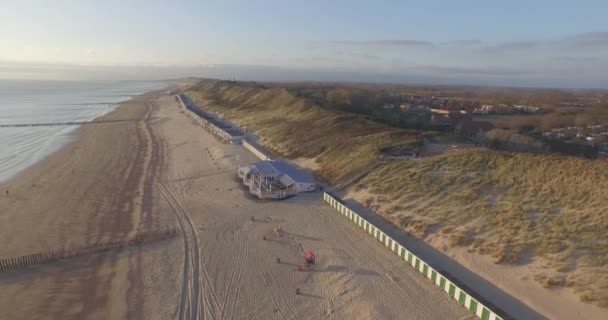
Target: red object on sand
<point x="310" y="258"/>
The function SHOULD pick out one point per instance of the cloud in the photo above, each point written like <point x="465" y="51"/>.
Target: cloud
<point x="581" y="40"/>
<point x="25" y="69"/>
<point x="367" y="56"/>
<point x="511" y="46"/>
<point x="325" y="59"/>
<point x="487" y="71"/>
<point x="575" y="59"/>
<point x="470" y="42"/>
<point x="400" y="43"/>
<point x="410" y="43"/>
<point x="587" y="39"/>
<point x="576" y="41"/>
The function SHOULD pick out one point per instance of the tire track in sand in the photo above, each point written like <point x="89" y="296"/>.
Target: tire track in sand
<point x="194" y="294"/>
<point x="235" y="267"/>
<point x="179" y="196"/>
<point x="424" y="311"/>
<point x="279" y="299"/>
<point x="270" y="287"/>
<point x="189" y="308"/>
<point x="276" y="285"/>
<point x="241" y="271"/>
<point x="191" y="302"/>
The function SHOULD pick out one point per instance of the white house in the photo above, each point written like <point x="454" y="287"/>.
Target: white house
<point x="275" y="179"/>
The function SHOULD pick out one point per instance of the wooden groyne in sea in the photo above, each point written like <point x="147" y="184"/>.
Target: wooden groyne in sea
<point x="15" y="263"/>
<point x="69" y="123"/>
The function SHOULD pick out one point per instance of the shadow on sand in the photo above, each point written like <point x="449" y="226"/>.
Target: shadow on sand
<point x="480" y="288"/>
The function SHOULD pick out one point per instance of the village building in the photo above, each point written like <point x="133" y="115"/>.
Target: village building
<point x="223" y="130"/>
<point x="273" y="179"/>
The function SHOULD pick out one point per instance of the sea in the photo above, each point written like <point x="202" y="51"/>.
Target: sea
<point x="27" y="102"/>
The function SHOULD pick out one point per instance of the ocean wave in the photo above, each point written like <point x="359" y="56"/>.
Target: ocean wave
<point x="59" y="102"/>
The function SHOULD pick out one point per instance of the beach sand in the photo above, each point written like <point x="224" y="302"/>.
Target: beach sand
<point x="90" y="191"/>
<point x="516" y="280"/>
<point x="160" y="169"/>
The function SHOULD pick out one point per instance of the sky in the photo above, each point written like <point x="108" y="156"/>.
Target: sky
<point x="514" y="43"/>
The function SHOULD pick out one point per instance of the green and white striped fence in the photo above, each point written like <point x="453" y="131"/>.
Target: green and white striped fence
<point x="464" y="298"/>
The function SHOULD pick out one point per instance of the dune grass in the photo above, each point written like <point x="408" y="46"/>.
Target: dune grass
<point x="516" y="208"/>
<point x="510" y="206"/>
<point x="293" y="127"/>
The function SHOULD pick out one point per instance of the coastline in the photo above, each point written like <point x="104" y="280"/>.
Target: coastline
<point x="69" y="134"/>
<point x="91" y="190"/>
<point x="32" y="179"/>
<point x="161" y="170"/>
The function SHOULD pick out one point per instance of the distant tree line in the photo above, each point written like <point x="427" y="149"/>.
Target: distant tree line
<point x="511" y="140"/>
<point x="365" y="102"/>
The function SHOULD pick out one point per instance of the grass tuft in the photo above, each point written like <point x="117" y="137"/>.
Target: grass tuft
<point x="553" y="206"/>
<point x="343" y="144"/>
<point x="500" y="204"/>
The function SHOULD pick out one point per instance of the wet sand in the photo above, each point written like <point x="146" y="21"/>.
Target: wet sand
<point x="95" y="189"/>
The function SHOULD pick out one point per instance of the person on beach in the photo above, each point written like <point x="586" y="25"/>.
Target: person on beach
<point x="310" y="258"/>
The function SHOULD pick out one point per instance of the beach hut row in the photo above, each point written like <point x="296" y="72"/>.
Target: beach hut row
<point x="221" y="129"/>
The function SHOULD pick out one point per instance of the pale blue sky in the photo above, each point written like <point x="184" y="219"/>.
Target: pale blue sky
<point x="541" y="42"/>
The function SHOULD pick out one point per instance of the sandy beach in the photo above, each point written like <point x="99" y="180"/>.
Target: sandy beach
<point x="93" y="190"/>
<point x="157" y="168"/>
